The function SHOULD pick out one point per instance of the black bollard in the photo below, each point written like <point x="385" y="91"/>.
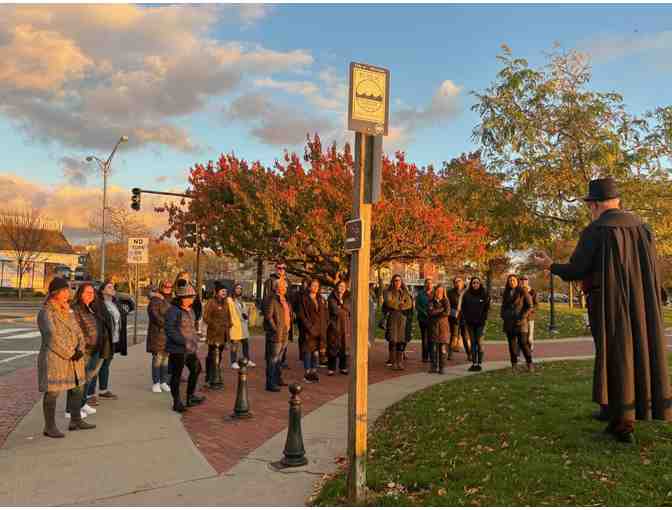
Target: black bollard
<point x="294" y="452"/>
<point x="241" y="410"/>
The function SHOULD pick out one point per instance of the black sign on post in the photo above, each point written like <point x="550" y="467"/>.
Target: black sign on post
<point x="353" y="235"/>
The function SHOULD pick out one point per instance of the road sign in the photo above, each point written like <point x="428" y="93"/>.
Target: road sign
<point x="138" y="250"/>
<point x="353" y="235"/>
<point x="369" y="99"/>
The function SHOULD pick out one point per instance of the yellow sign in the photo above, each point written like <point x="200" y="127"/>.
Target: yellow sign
<point x="369" y="99"/>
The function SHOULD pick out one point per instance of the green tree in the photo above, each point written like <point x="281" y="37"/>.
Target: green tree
<point x="548" y="134"/>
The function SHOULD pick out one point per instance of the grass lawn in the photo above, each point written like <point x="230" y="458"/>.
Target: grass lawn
<point x="499" y="439"/>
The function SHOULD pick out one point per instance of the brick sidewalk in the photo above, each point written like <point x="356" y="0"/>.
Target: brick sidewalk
<point x="224" y="442"/>
<point x="18" y="394"/>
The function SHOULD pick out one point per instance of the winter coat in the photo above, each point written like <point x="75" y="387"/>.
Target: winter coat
<point x="275" y="324"/>
<point x="61" y="336"/>
<point x="516" y="308"/>
<point x="181" y="336"/>
<point x="455" y="297"/>
<point x="239" y="320"/>
<point x="156" y="331"/>
<point x="422" y="306"/>
<point x="121" y="347"/>
<point x="339" y="332"/>
<point x="90" y="326"/>
<point x="475" y="307"/>
<point x="439" y="326"/>
<point x="218" y="319"/>
<point x="396" y="304"/>
<point x="313" y="316"/>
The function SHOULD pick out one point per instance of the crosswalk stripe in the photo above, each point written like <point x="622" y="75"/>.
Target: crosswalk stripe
<point x="19" y="352"/>
<point x="30" y="334"/>
<point x="13" y="330"/>
<point x="18" y="356"/>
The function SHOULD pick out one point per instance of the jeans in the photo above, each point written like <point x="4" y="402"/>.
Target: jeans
<point x="424" y="334"/>
<point x="475" y="333"/>
<point x="159" y="367"/>
<point x="235" y="349"/>
<point x="518" y="340"/>
<point x="177" y="363"/>
<point x="310" y="361"/>
<point x="342" y="360"/>
<point x="93" y="366"/>
<point x="274" y="354"/>
<point x="104" y="377"/>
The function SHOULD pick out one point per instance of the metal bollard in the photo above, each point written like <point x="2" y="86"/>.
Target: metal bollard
<point x="241" y="410"/>
<point x="294" y="452"/>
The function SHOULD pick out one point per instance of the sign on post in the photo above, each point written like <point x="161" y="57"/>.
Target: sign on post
<point x="138" y="250"/>
<point x="353" y="235"/>
<point x="368" y="116"/>
<point x="369" y="99"/>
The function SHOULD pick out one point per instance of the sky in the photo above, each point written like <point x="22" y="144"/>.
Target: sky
<point x="187" y="83"/>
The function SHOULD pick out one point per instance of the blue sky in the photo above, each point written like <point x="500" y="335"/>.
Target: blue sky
<point x="290" y="75"/>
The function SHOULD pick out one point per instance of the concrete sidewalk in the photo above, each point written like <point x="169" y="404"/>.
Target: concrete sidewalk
<point x="142" y="456"/>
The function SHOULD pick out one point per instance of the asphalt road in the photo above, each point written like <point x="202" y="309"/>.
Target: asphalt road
<point x="20" y="339"/>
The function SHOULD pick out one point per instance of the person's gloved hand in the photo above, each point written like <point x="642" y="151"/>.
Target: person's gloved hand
<point x="78" y="355"/>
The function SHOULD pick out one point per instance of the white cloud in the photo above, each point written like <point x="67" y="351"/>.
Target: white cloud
<point x="81" y="75"/>
<point x="611" y="47"/>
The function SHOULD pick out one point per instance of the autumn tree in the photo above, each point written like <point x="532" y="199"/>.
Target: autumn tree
<point x="25" y="237"/>
<point x="297" y="211"/>
<point x="548" y="134"/>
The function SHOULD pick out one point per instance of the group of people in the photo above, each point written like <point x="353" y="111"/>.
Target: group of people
<point x="324" y="327"/>
<point x="79" y="341"/>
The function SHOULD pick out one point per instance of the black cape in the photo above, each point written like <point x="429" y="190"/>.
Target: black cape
<point x="617" y="252"/>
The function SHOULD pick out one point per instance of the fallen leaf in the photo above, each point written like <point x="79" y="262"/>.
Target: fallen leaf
<point x="441" y="492"/>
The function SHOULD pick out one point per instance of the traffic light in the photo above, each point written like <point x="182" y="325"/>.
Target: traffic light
<point x="135" y="199"/>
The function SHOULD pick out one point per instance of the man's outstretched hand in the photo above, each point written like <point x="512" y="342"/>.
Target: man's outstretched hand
<point x="542" y="260"/>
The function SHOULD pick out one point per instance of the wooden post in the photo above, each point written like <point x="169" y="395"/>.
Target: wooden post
<point x="358" y="394"/>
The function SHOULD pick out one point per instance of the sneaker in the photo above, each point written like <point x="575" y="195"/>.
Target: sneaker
<point x="235" y="365"/>
<point x="330" y="372"/>
<point x="314" y="377"/>
<point x="156" y="388"/>
<point x="88" y="410"/>
<point x="251" y="363"/>
<point x="165" y="387"/>
<point x="82" y="413"/>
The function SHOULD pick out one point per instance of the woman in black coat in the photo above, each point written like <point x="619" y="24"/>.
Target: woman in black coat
<point x="516" y="308"/>
<point x="475" y="307"/>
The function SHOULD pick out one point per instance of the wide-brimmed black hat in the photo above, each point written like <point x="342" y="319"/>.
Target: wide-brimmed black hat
<point x="58" y="284"/>
<point x="600" y="190"/>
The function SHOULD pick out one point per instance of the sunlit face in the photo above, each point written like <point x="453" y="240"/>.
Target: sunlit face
<point x="108" y="290"/>
<point x="281" y="269"/>
<point x="314" y="287"/>
<point x="62" y="296"/>
<point x="439" y="293"/>
<point x="221" y="293"/>
<point x="397" y="283"/>
<point x="428" y="284"/>
<point x="341" y="288"/>
<point x="187" y="302"/>
<point x="458" y="283"/>
<point x="513" y="282"/>
<point x="88" y="294"/>
<point x="238" y="291"/>
<point x="475" y="284"/>
<point x="167" y="289"/>
<point x="525" y="284"/>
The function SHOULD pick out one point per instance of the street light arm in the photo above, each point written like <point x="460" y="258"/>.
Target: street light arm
<point x="119" y="142"/>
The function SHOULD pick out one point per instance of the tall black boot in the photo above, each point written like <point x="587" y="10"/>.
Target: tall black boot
<point x="209" y="366"/>
<point x="434" y="359"/>
<point x="390" y="354"/>
<point x="49" y="410"/>
<point x="442" y="359"/>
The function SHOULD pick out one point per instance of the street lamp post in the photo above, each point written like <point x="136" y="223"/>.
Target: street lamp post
<point x="105" y="168"/>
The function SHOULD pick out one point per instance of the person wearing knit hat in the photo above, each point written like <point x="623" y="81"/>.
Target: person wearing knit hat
<point x="182" y="346"/>
<point x="218" y="319"/>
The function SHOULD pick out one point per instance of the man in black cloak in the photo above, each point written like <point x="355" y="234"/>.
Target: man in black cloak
<point x="616" y="260"/>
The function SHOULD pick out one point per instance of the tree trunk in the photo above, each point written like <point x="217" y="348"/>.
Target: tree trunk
<point x="488" y="281"/>
<point x="260" y="277"/>
<point x="20" y="289"/>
